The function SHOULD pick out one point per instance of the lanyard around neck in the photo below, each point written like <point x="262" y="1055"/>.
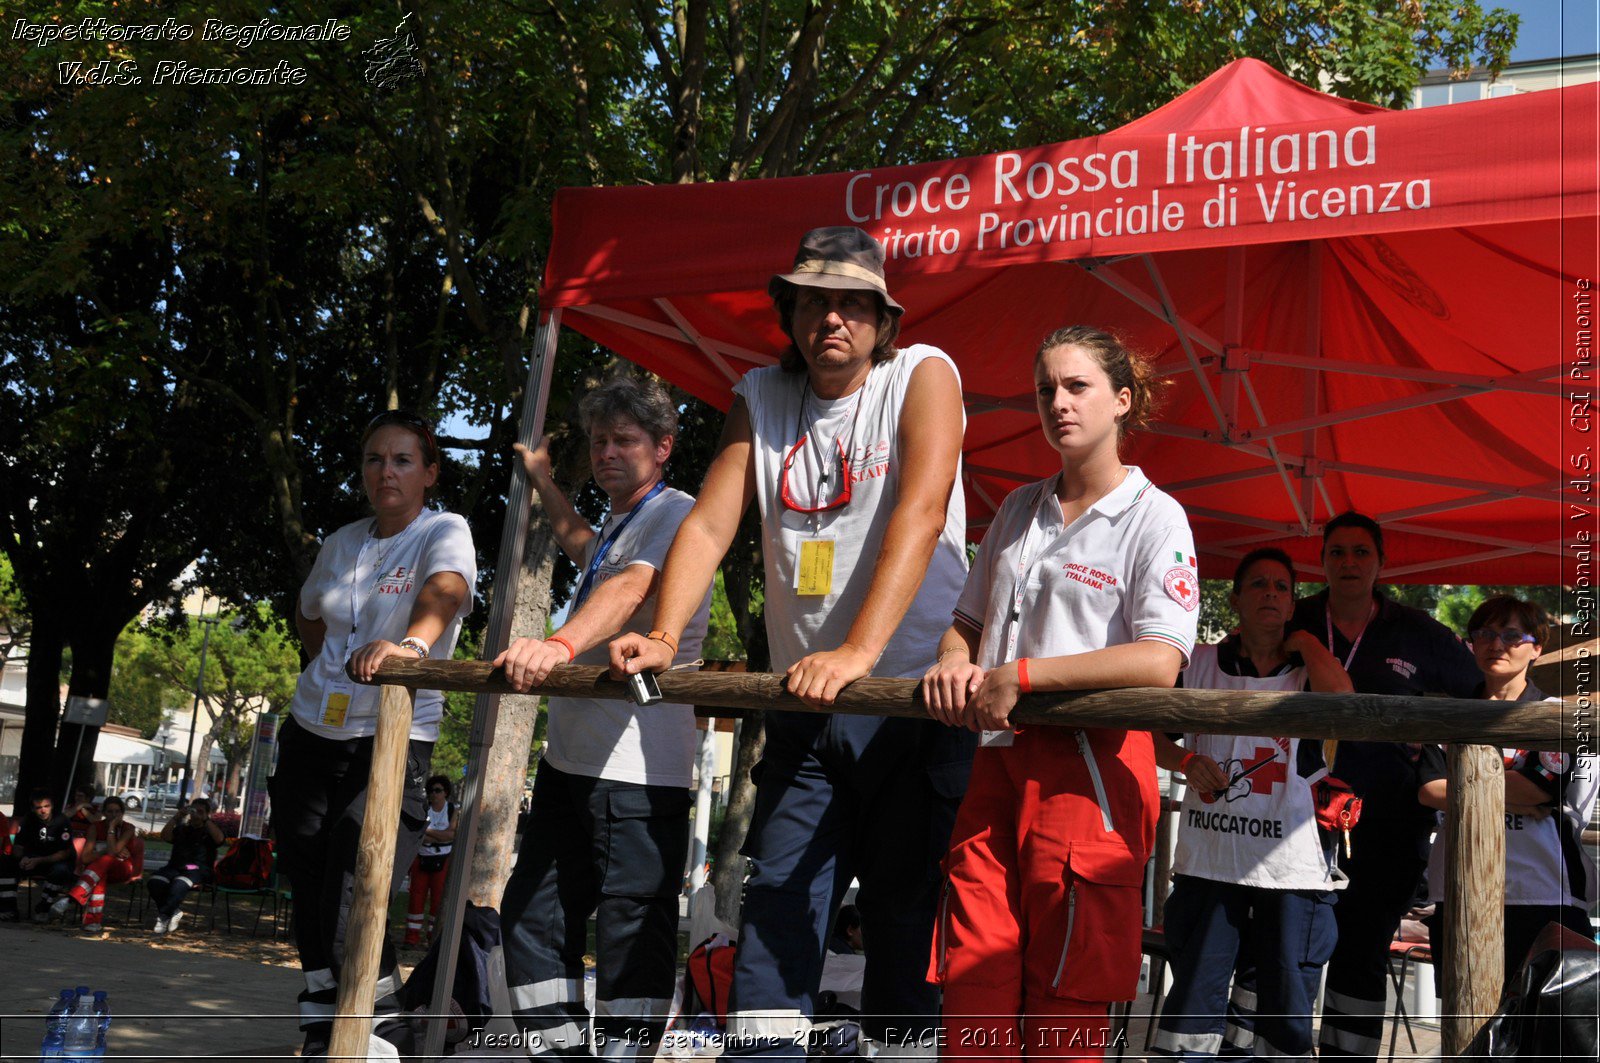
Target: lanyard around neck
<point x="806" y="428"/>
<point x="1025" y="571"/>
<point x="606" y="543"/>
<point x="357" y="604"/>
<point x="1359" y="634"/>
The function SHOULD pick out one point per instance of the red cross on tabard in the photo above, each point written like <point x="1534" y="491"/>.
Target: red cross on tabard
<point x="1182" y="587"/>
<point x="1265" y="777"/>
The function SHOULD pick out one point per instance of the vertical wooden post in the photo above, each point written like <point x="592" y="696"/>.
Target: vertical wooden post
<point x="369" y="914"/>
<point x="1474" y="893"/>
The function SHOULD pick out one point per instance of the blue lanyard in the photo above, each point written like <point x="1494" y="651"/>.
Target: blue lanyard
<point x="587" y="583"/>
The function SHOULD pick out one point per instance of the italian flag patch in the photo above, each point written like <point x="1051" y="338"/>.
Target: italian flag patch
<point x="1182" y="558"/>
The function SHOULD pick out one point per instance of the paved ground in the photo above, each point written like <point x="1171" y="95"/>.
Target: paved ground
<point x="185" y="1000"/>
<point x="204" y="994"/>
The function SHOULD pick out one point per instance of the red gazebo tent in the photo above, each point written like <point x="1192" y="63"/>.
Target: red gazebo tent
<point x="1386" y="310"/>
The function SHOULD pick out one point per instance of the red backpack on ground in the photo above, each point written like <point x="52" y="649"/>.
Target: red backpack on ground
<point x="710" y="977"/>
<point x="247" y="865"/>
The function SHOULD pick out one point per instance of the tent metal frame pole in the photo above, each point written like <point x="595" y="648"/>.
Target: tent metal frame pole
<point x="1278" y="460"/>
<point x="1530" y="382"/>
<point x="1435" y="397"/>
<point x="1235" y="365"/>
<point x="1464" y="559"/>
<point x="1169" y="314"/>
<point x="1450" y="506"/>
<point x="694" y="336"/>
<point x="1311" y="470"/>
<point x="656" y="328"/>
<point x="486" y="710"/>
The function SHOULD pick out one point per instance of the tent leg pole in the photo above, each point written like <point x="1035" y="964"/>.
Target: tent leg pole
<point x="486" y="710"/>
<point x="369" y="914"/>
<point x="1475" y="893"/>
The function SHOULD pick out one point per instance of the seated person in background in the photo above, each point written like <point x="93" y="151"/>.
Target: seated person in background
<point x="846" y="938"/>
<point x="1550" y="796"/>
<point x="1253" y="879"/>
<point x="43" y="852"/>
<point x="106" y="859"/>
<point x="82" y="815"/>
<point x="194" y="836"/>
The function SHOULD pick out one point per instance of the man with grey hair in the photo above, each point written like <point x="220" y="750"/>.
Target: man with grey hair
<point x="608" y="831"/>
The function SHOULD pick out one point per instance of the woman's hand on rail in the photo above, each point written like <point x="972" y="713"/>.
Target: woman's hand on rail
<point x="948" y="685"/>
<point x="633" y="653"/>
<point x="365" y="661"/>
<point x="989" y="708"/>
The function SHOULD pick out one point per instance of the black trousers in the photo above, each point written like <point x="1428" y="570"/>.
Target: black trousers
<point x="319" y="802"/>
<point x="1385" y="868"/>
<point x="615" y="850"/>
<point x="53" y="878"/>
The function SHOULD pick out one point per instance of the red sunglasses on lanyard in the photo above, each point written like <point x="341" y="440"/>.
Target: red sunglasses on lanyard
<point x="788" y="497"/>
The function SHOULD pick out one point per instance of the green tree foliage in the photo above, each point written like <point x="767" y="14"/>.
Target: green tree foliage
<point x="251" y="666"/>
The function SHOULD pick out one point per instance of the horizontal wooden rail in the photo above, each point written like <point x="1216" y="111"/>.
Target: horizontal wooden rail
<point x="1357" y="717"/>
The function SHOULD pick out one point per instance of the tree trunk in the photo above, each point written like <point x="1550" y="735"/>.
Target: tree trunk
<point x="93" y="646"/>
<point x="507" y="765"/>
<point x="43" y="713"/>
<point x="727" y="876"/>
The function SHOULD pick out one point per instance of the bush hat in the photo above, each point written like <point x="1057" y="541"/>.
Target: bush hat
<point x="841" y="257"/>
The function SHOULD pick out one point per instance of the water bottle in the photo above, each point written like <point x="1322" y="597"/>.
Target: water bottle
<point x="55" y="1026"/>
<point x="102" y="1011"/>
<point x="83" y="1028"/>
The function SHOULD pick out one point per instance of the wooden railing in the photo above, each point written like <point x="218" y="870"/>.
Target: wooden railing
<point x="1475" y="880"/>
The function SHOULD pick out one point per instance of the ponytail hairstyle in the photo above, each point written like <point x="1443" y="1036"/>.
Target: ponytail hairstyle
<point x="1124" y="368"/>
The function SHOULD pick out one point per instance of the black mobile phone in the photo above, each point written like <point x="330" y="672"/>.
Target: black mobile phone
<point x="643" y="688"/>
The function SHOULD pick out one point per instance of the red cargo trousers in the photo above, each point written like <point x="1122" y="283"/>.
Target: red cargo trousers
<point x="1039" y="929"/>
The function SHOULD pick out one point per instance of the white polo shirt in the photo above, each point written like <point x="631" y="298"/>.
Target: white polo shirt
<point x="1123" y="572"/>
<point x="618" y="740"/>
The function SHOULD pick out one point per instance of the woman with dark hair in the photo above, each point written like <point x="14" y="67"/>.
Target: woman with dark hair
<point x="1085" y="580"/>
<point x="1387" y="648"/>
<point x="395" y="584"/>
<point x="1550" y="796"/>
<point x="1253" y="880"/>
<point x="194" y="837"/>
<point x="432" y="863"/>
<point x="106" y="860"/>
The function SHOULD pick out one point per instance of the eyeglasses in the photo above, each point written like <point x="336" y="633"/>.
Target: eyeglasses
<point x="406" y="420"/>
<point x="1509" y="637"/>
<point x="783" y="480"/>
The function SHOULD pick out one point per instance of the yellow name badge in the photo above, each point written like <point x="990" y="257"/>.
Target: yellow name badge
<point x="337" y="706"/>
<point x="814" y="574"/>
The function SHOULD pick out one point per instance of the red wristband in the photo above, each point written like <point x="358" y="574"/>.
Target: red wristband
<point x="1183" y="765"/>
<point x="572" y="654"/>
<point x="1023" y="685"/>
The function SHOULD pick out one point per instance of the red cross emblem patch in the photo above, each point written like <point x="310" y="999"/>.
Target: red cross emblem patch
<point x="1183" y="587"/>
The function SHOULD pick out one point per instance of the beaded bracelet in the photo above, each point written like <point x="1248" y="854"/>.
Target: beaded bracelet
<point x="415" y="645"/>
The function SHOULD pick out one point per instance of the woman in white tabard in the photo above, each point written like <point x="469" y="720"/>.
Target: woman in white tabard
<point x="1085" y="580"/>
<point x="1550" y="796"/>
<point x="393" y="584"/>
<point x="428" y="870"/>
<point x="1254" y="878"/>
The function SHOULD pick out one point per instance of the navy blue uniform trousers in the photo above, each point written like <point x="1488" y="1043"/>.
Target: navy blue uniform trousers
<point x="1270" y="943"/>
<point x="839" y="798"/>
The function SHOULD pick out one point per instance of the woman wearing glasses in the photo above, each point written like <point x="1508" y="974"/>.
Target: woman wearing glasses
<point x="432" y="863"/>
<point x="396" y="583"/>
<point x="1550" y="874"/>
<point x="1085" y="580"/>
